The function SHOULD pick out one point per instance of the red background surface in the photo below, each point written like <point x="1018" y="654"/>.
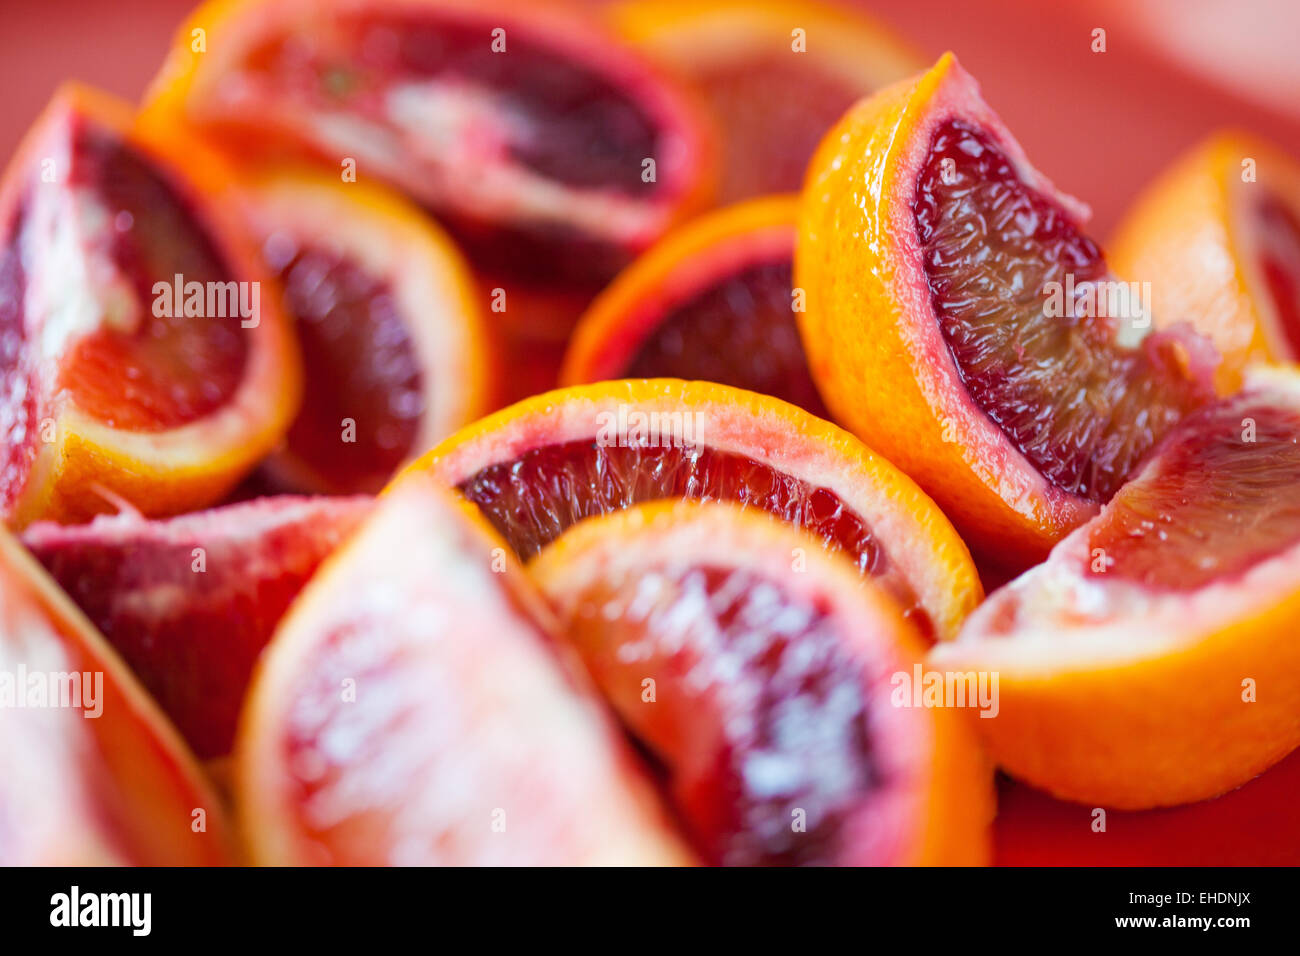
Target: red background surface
<point x="1099" y="124"/>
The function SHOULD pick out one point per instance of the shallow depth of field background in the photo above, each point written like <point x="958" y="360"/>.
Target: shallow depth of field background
<point x="1100" y="125"/>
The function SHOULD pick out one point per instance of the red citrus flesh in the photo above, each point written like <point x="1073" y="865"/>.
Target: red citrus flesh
<point x="1082" y="407"/>
<point x="532" y="499"/>
<point x="740" y="332"/>
<point x="1216" y="502"/>
<point x="411" y="710"/>
<point x="359" y="364"/>
<point x="1279" y="242"/>
<point x="79" y="259"/>
<point x="524" y="128"/>
<point x="190" y="602"/>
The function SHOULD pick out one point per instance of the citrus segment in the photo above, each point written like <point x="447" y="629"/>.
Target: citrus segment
<point x="1151" y="660"/>
<point x="410" y="710"/>
<point x="91" y="773"/>
<point x="139" y="352"/>
<point x="712" y="301"/>
<point x="761" y="688"/>
<point x="395" y="349"/>
<point x="546" y="145"/>
<point x="1217" y="236"/>
<point x="777" y="75"/>
<point x="189" y="602"/>
<point x="540" y="465"/>
<point x="960" y="321"/>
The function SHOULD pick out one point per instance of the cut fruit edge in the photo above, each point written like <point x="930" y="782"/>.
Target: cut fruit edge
<point x="1012" y="508"/>
<point x="21" y="569"/>
<point x="434" y="291"/>
<point x="686" y="262"/>
<point x="196" y="463"/>
<point x="914" y="533"/>
<point x="1193" y="235"/>
<point x="486" y="576"/>
<point x="936" y="813"/>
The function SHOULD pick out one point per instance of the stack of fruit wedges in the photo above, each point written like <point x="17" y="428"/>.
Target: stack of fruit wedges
<point x="475" y="432"/>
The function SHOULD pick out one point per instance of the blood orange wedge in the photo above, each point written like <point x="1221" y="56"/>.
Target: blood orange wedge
<point x="550" y="148"/>
<point x="758" y="672"/>
<point x="712" y="301"/>
<point x="139" y="353"/>
<point x="1218" y="238"/>
<point x="960" y="321"/>
<point x="777" y="75"/>
<point x="189" y="602"/>
<point x="91" y="772"/>
<point x="410" y="710"/>
<point x="1152" y="660"/>
<point x="542" y="464"/>
<point x="395" y="348"/>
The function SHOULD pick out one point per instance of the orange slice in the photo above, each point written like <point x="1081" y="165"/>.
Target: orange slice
<point x="540" y="465"/>
<point x="395" y="347"/>
<point x="712" y="301"/>
<point x="549" y="148"/>
<point x="759" y="673"/>
<point x="777" y="75"/>
<point x="142" y="354"/>
<point x="1152" y="660"/>
<point x="1218" y="238"/>
<point x="91" y="772"/>
<point x="961" y="322"/>
<point x="410" y="710"/>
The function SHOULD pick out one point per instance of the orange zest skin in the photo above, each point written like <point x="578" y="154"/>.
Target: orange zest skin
<point x="433" y="289"/>
<point x="913" y="531"/>
<point x="683" y="262"/>
<point x="119" y="788"/>
<point x="1188" y="235"/>
<point x="877" y="359"/>
<point x="941" y="815"/>
<point x="195" y="464"/>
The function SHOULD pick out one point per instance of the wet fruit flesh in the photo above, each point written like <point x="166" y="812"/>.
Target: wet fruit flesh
<point x="1082" y="408"/>
<point x="741" y="332"/>
<point x="531" y="500"/>
<point x="163" y="371"/>
<point x="1220" y="502"/>
<point x="359" y="362"/>
<point x="1279" y="238"/>
<point x="760" y="711"/>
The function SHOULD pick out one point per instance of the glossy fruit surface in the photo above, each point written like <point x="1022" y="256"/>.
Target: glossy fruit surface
<point x="961" y="322"/>
<point x="758" y="671"/>
<point x="541" y="465"/>
<point x="190" y="602"/>
<point x="91" y="772"/>
<point x="1150" y="660"/>
<point x="411" y="709"/>
<point x="139" y="354"/>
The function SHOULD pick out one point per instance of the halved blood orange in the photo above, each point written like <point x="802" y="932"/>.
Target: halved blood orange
<point x="189" y="602"/>
<point x="961" y="323"/>
<point x="540" y="465"/>
<point x="777" y="74"/>
<point x="395" y="347"/>
<point x="759" y="673"/>
<point x="1218" y="238"/>
<point x="91" y="772"/>
<point x="412" y="710"/>
<point x="711" y="301"/>
<point x="1152" y="660"/>
<point x="139" y="351"/>
<point x="549" y="148"/>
